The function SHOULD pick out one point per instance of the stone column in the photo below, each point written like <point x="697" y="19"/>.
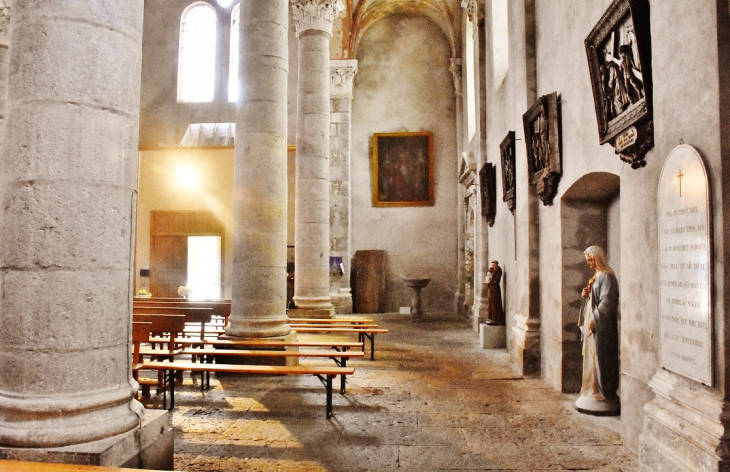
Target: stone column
<point x="313" y="21"/>
<point x="69" y="176"/>
<point x="342" y="76"/>
<point x="258" y="299"/>
<point x="459" y="295"/>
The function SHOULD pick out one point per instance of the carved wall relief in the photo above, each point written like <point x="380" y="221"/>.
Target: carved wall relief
<point x="507" y="153"/>
<point x="542" y="139"/>
<point x="619" y="59"/>
<point x="488" y="182"/>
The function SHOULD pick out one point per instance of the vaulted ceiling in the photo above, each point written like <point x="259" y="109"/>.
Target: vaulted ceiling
<point x="444" y="13"/>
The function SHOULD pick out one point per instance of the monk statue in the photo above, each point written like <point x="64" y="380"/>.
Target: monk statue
<point x="598" y="322"/>
<point x="495" y="312"/>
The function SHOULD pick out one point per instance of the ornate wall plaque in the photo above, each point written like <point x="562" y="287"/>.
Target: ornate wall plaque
<point x="685" y="264"/>
<point x="619" y="59"/>
<point x="542" y="138"/>
<point x="488" y="181"/>
<point x="507" y="153"/>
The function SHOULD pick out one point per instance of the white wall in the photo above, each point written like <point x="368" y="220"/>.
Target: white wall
<point x="404" y="84"/>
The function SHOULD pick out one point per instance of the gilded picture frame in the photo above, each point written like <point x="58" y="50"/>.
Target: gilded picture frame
<point x="403" y="169"/>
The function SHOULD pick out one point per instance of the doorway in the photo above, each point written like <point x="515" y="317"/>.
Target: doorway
<point x="186" y="249"/>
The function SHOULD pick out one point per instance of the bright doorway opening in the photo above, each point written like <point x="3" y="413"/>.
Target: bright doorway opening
<point x="204" y="267"/>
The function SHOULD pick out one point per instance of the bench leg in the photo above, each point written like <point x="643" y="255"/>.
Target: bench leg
<point x="329" y="396"/>
<point x="172" y="389"/>
<point x="164" y="389"/>
<point x="343" y="377"/>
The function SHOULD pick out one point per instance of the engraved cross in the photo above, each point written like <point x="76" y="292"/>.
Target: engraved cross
<point x="679" y="176"/>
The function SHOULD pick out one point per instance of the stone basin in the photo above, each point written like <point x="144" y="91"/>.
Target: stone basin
<point x="416" y="284"/>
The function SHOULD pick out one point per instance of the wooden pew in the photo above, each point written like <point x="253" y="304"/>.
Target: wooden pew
<point x="169" y="326"/>
<point x="325" y="374"/>
<point x="140" y="334"/>
<point x="362" y="333"/>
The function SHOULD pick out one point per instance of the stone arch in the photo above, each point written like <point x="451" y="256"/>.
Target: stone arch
<point x="589" y="214"/>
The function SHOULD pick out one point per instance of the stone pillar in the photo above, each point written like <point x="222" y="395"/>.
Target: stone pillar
<point x="258" y="298"/>
<point x="459" y="295"/>
<point x="342" y="76"/>
<point x="4" y="62"/>
<point x="313" y="20"/>
<point x="69" y="174"/>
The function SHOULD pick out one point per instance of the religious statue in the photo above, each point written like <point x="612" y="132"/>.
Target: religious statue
<point x="495" y="312"/>
<point x="598" y="322"/>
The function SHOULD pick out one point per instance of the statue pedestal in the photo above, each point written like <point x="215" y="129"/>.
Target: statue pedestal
<point x="492" y="336"/>
<point x="590" y="406"/>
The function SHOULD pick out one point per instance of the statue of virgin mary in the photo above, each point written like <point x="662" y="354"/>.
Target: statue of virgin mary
<point x="599" y="326"/>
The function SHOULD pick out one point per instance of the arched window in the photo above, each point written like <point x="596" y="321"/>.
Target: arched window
<point x="196" y="63"/>
<point x="233" y="56"/>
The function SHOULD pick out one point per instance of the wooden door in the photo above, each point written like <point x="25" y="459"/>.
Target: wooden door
<point x="169" y="232"/>
<point x="168" y="265"/>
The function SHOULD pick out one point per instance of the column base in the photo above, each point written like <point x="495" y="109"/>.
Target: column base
<point x="314" y="313"/>
<point x="480" y="312"/>
<point x="258" y="360"/>
<point x="342" y="301"/>
<point x="150" y="447"/>
<point x="525" y="347"/>
<point x="683" y="428"/>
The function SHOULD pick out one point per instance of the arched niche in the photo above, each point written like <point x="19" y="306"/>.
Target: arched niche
<point x="589" y="214"/>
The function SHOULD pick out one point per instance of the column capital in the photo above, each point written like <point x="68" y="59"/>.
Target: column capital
<point x="471" y="8"/>
<point x="315" y="14"/>
<point x="342" y="77"/>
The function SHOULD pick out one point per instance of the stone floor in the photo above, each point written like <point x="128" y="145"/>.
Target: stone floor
<point x="431" y="401"/>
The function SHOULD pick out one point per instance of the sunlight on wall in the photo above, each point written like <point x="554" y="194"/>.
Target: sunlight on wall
<point x="500" y="40"/>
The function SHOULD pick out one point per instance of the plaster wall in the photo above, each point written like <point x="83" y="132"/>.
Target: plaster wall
<point x="686" y="106"/>
<point x="509" y="238"/>
<point x="403" y="86"/>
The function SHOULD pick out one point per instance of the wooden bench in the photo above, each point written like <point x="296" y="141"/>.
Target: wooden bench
<point x="362" y="333"/>
<point x="24" y="466"/>
<point x="340" y="358"/>
<point x="264" y="343"/>
<point x="168" y="326"/>
<point x="324" y="374"/>
<point x="338" y="320"/>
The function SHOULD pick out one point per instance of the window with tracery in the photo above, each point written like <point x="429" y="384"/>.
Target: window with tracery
<point x="196" y="63"/>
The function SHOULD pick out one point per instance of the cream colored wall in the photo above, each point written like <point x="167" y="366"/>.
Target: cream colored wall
<point x="160" y="190"/>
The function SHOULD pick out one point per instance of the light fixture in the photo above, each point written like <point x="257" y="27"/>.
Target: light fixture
<point x="225" y="3"/>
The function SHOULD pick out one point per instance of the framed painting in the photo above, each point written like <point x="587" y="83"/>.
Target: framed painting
<point x="619" y="61"/>
<point x="488" y="183"/>
<point x="542" y="140"/>
<point x="403" y="169"/>
<point x="507" y="154"/>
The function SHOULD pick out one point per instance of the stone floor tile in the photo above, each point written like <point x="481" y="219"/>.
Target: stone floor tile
<point x="594" y="457"/>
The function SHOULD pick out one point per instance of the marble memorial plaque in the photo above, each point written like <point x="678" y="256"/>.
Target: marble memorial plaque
<point x="684" y="266"/>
